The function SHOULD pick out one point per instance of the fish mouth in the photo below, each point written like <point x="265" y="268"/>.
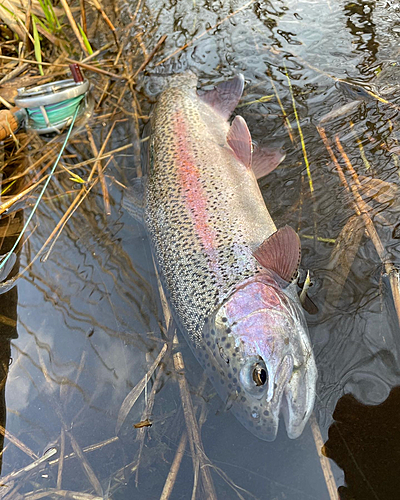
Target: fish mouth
<point x="298" y="399"/>
<point x="264" y="421"/>
<point x="293" y="399"/>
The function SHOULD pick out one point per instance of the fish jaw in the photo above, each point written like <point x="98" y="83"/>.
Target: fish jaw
<point x="301" y="389"/>
<point x="260" y="358"/>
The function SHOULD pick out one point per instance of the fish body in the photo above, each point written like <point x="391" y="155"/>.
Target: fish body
<point x="225" y="268"/>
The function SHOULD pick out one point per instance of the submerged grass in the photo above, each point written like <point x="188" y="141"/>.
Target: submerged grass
<point x="288" y="125"/>
<point x="365" y="212"/>
<point x="303" y="144"/>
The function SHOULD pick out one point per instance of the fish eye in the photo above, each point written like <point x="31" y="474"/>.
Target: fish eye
<point x="254" y="377"/>
<point x="260" y="375"/>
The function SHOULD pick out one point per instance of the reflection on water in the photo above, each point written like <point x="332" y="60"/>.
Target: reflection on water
<point x="364" y="442"/>
<point x="89" y="318"/>
<point x="8" y="314"/>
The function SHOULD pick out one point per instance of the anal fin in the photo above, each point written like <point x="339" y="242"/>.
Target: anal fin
<point x="133" y="199"/>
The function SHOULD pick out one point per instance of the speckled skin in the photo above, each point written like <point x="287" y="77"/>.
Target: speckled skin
<point x="206" y="215"/>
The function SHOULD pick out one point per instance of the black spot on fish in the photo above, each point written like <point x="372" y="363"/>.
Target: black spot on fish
<point x="266" y="413"/>
<point x="229" y="375"/>
<point x="234" y="380"/>
<point x="224" y="319"/>
<point x="213" y="368"/>
<point x="228" y="330"/>
<point x="243" y="399"/>
<point x="228" y="345"/>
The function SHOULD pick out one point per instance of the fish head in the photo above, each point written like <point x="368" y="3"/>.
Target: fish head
<point x="265" y="366"/>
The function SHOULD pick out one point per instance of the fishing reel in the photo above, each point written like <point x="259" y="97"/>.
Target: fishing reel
<point x="49" y="108"/>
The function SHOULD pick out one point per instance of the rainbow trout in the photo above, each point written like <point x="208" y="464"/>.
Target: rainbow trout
<point x="229" y="275"/>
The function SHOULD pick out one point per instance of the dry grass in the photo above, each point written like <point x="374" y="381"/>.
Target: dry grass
<point x="53" y="39"/>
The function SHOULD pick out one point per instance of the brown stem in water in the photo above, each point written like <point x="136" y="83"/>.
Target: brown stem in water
<point x="325" y="464"/>
<point x="103" y="183"/>
<point x="199" y="457"/>
<point x="173" y="472"/>
<point x="150" y="57"/>
<point x="362" y="209"/>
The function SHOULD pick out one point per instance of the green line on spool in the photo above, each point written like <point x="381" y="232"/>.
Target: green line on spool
<point x="56" y="113"/>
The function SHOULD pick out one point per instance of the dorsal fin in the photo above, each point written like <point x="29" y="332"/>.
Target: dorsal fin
<point x="266" y="160"/>
<point x="225" y="96"/>
<point x="281" y="253"/>
<point x="239" y="139"/>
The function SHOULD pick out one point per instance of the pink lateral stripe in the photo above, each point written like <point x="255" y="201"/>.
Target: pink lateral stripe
<point x="195" y="196"/>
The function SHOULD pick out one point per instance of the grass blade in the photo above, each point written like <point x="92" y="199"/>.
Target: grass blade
<point x="85" y="40"/>
<point x="36" y="44"/>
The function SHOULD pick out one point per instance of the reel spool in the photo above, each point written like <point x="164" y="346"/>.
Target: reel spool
<point x="50" y="107"/>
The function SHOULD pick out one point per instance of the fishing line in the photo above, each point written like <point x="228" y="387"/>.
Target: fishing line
<point x="8" y="255"/>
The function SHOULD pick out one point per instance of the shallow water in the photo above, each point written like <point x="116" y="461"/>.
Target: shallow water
<point x="89" y="316"/>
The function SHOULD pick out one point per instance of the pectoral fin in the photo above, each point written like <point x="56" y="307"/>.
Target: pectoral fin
<point x="239" y="139"/>
<point x="281" y="253"/>
<point x="133" y="199"/>
<point x="225" y="96"/>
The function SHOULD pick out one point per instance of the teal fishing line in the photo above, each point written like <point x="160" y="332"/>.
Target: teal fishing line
<point x="3" y="262"/>
<point x="56" y="113"/>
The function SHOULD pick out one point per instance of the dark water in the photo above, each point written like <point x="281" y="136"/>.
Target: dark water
<point x="89" y="317"/>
